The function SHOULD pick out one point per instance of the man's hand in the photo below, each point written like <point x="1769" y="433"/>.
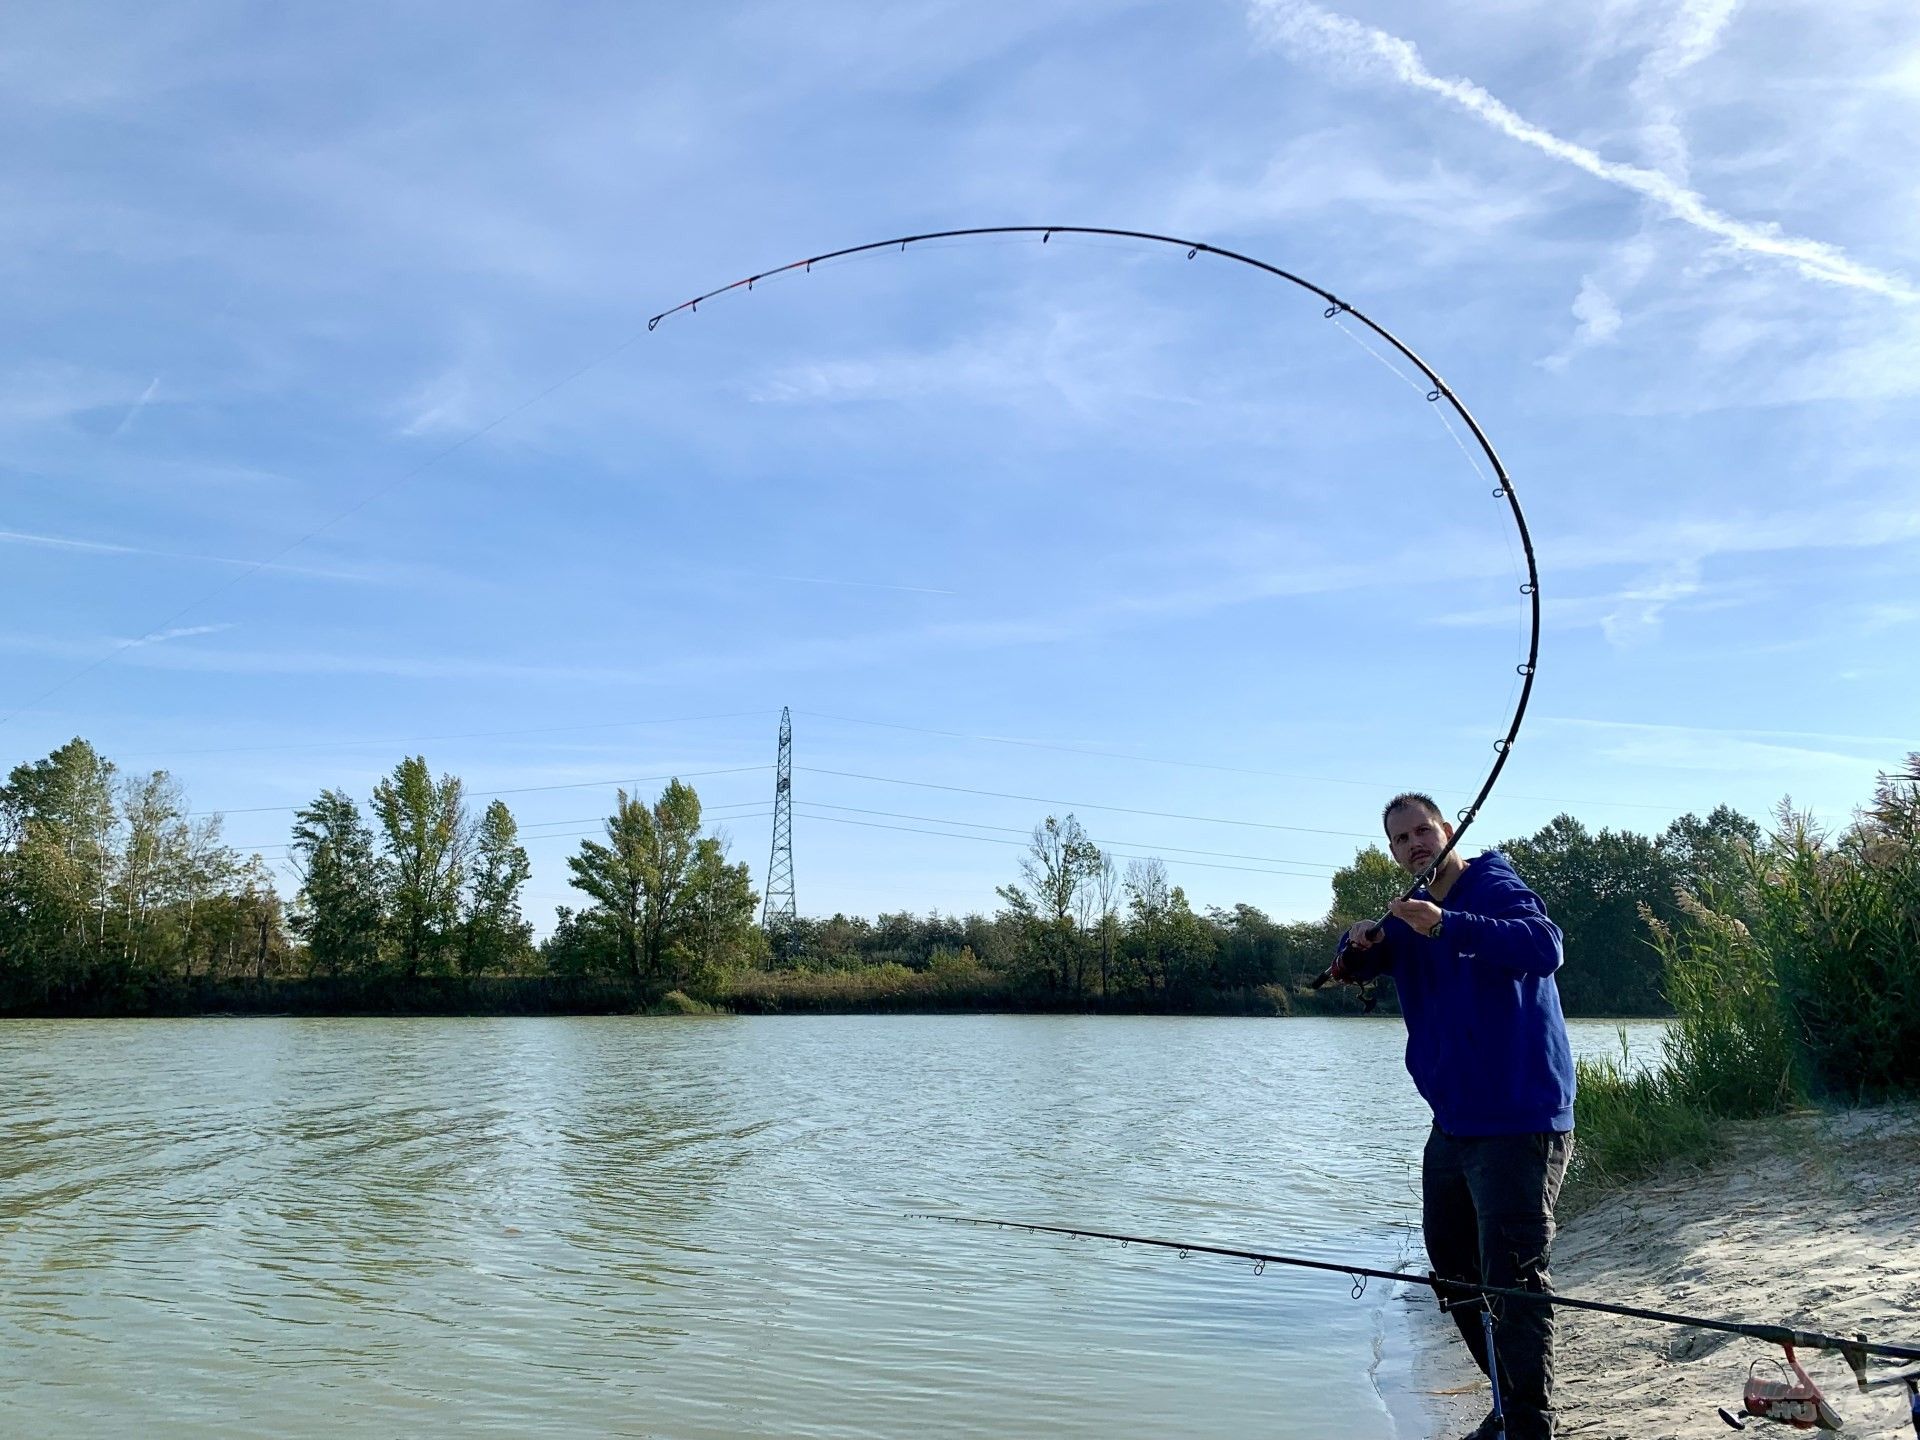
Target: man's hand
<point x="1421" y="915"/>
<point x="1364" y="935"/>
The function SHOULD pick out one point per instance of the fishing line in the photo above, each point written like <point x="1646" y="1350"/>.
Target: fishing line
<point x="1855" y="1349"/>
<point x="1334" y="308"/>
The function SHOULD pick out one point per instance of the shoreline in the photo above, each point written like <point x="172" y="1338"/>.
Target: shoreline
<point x="1809" y="1220"/>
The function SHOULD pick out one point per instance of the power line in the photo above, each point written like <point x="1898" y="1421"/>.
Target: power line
<point x="1086" y="804"/>
<point x="1118" y="855"/>
<point x="1027" y="830"/>
<point x="1375" y="785"/>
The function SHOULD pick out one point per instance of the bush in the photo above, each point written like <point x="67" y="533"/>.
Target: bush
<point x="678" y="1002"/>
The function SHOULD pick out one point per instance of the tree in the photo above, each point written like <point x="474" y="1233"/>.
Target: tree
<point x="427" y="834"/>
<point x="166" y="867"/>
<point x="715" y="929"/>
<point x="1106" y="890"/>
<point x="1188" y="946"/>
<point x="1364" y="889"/>
<point x="669" y="836"/>
<point x="1593" y="886"/>
<point x="341" y="908"/>
<point x="1059" y="863"/>
<point x="56" y="823"/>
<point x="668" y="897"/>
<point x="613" y="876"/>
<point x="493" y="934"/>
<point x="1711" y="858"/>
<point x="1149" y="899"/>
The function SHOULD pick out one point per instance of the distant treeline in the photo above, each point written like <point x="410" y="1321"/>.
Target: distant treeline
<point x="114" y="898"/>
<point x="1076" y="931"/>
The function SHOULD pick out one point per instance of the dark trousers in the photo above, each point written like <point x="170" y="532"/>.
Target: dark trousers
<point x="1487" y="1208"/>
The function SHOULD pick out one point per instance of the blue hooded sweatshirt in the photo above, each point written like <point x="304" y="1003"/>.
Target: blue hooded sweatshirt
<point x="1486" y="1042"/>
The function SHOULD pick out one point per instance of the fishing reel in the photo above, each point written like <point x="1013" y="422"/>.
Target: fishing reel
<point x="1795" y="1401"/>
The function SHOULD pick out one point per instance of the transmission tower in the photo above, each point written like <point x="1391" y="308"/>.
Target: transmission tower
<point x="779" y="910"/>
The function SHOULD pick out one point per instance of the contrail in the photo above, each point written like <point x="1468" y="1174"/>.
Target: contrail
<point x="1301" y="25"/>
<point x="153" y="388"/>
<point x="100" y="547"/>
<point x="179" y="632"/>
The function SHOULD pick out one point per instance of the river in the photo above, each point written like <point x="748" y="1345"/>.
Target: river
<point x="695" y="1228"/>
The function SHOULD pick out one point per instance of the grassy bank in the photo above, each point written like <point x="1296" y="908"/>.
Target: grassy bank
<point x="877" y="989"/>
<point x="892" y="989"/>
<point x="1798" y="986"/>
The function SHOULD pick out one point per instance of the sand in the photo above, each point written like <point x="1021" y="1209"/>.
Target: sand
<point x="1812" y="1221"/>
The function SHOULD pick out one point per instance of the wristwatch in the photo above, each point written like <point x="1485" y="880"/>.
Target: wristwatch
<point x="1433" y="931"/>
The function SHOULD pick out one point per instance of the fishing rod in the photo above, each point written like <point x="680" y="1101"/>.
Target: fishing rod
<point x="1797" y="1401"/>
<point x="1335" y="309"/>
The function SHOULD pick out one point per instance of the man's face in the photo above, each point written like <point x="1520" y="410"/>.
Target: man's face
<point x="1415" y="835"/>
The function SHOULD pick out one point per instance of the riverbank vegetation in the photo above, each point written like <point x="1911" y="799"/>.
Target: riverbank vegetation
<point x="116" y="898"/>
<point x="1794" y="976"/>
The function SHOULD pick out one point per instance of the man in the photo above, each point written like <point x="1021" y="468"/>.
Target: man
<point x="1473" y="957"/>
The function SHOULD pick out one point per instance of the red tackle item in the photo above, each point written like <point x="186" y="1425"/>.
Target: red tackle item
<point x="1791" y="1400"/>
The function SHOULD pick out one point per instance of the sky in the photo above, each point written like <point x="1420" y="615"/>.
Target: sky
<point x="331" y="429"/>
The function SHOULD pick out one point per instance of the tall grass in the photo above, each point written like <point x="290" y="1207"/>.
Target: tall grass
<point x="1843" y="918"/>
<point x="1804" y="985"/>
<point x="1630" y="1120"/>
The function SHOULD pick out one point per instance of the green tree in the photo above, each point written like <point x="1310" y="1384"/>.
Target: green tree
<point x="493" y="934"/>
<point x="1711" y="858"/>
<point x="1190" y="947"/>
<point x="1594" y="885"/>
<point x="1149" y="945"/>
<point x="166" y="868"/>
<point x="715" y="929"/>
<point x="668" y="896"/>
<point x="57" y="822"/>
<point x="341" y="908"/>
<point x="1059" y="866"/>
<point x="1364" y="889"/>
<point x="613" y="876"/>
<point x="426" y="832"/>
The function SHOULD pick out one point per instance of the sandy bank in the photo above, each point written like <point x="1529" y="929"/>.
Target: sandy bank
<point x="1812" y="1221"/>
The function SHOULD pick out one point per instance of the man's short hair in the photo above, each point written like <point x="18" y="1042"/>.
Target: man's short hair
<point x="1406" y="798"/>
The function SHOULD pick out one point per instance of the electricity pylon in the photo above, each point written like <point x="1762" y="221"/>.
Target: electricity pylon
<point x="779" y="910"/>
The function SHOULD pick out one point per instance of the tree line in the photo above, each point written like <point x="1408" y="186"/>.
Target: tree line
<point x="113" y="894"/>
<point x="1075" y="927"/>
<point x="110" y="887"/>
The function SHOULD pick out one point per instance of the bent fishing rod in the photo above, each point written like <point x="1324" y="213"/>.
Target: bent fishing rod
<point x="1451" y="1293"/>
<point x="1335" y="309"/>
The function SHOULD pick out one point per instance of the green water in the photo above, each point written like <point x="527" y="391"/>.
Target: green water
<point x="693" y="1228"/>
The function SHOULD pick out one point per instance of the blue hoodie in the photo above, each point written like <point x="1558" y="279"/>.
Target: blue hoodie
<point x="1486" y="1043"/>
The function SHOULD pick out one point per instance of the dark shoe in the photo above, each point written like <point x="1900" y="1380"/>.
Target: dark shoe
<point x="1487" y="1429"/>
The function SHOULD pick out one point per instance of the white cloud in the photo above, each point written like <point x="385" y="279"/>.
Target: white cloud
<point x="1695" y="747"/>
<point x="1691" y="35"/>
<point x="1307" y="28"/>
<point x="177" y="632"/>
<point x="1636" y="616"/>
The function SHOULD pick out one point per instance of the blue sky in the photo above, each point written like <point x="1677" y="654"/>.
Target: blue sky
<point x="362" y="294"/>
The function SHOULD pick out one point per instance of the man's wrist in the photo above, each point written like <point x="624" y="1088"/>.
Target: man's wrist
<point x="1433" y="930"/>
